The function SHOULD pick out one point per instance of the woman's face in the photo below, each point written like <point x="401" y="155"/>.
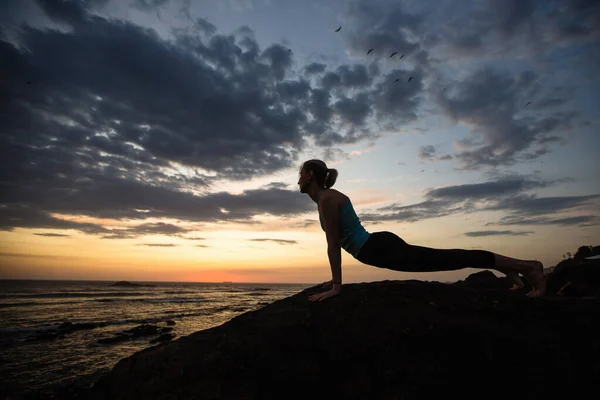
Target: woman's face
<point x="303" y="180"/>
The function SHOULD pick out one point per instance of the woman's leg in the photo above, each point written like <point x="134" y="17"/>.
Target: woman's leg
<point x="387" y="250"/>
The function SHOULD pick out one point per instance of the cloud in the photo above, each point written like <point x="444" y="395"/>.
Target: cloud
<point x="426" y="152"/>
<point x="52" y="234"/>
<point x="384" y="26"/>
<point x="106" y="119"/>
<point x="497" y="233"/>
<point x="44" y="256"/>
<point x="581" y="221"/>
<point x="506" y="193"/>
<point x="314" y="68"/>
<point x="158" y="244"/>
<point x="504" y="134"/>
<point x="148" y="5"/>
<point x="110" y="139"/>
<point x="531" y="28"/>
<point x="278" y="241"/>
<point x="120" y="199"/>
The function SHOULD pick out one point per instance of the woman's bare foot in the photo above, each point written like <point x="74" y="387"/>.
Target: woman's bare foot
<point x="518" y="282"/>
<point x="533" y="271"/>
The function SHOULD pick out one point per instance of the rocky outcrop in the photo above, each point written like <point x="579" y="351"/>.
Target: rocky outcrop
<point x="381" y="340"/>
<point x="487" y="280"/>
<point x="581" y="279"/>
<point x="140" y="332"/>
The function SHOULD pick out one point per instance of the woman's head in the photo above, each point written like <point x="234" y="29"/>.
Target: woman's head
<point x="316" y="171"/>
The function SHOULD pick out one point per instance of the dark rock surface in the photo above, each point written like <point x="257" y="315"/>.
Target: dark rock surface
<point x="582" y="279"/>
<point x="136" y="333"/>
<point x="381" y="340"/>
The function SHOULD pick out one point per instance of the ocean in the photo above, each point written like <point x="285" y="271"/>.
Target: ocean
<point x="53" y="333"/>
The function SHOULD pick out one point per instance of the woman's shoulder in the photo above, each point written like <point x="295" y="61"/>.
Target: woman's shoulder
<point x="336" y="196"/>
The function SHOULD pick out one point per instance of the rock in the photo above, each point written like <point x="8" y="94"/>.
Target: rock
<point x="130" y="284"/>
<point x="163" y="338"/>
<point x="581" y="279"/>
<point x="381" y="340"/>
<point x="170" y="323"/>
<point x="487" y="280"/>
<point x="135" y="333"/>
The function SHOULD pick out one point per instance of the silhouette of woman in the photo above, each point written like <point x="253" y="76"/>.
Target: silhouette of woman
<point x="384" y="249"/>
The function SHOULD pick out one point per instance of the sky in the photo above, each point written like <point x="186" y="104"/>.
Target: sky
<point x="160" y="140"/>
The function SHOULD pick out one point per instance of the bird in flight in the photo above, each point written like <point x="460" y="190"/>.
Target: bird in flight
<point x="401" y="57"/>
<point x="369" y="51"/>
<point x="397" y="80"/>
<point x="528" y="104"/>
<point x="338" y="29"/>
<point x="422" y="170"/>
<point x="409" y="78"/>
<point x="392" y="55"/>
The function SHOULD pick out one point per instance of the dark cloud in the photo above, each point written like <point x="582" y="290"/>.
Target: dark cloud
<point x="128" y="200"/>
<point x="314" y="68"/>
<point x="397" y="102"/>
<point x="158" y="244"/>
<point x="209" y="29"/>
<point x="113" y="112"/>
<point x="52" y="234"/>
<point x="29" y="255"/>
<point x="386" y="27"/>
<point x="529" y="205"/>
<point x="426" y="152"/>
<point x="278" y="241"/>
<point x="581" y="221"/>
<point x="159" y="228"/>
<point x="346" y="76"/>
<point x="506" y="194"/>
<point x="506" y="186"/>
<point x="497" y="233"/>
<point x="306" y="224"/>
<point x="99" y="119"/>
<point x="354" y="110"/>
<point x="73" y="12"/>
<point x="493" y="102"/>
<point x="491" y="27"/>
<point x="148" y="5"/>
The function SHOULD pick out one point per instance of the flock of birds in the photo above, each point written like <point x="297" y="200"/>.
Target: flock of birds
<point x="391" y="55"/>
<point x="400" y="58"/>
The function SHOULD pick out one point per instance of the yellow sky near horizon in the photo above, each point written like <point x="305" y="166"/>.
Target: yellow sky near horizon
<point x="231" y="254"/>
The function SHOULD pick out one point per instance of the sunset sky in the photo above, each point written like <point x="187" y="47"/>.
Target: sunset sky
<point x="160" y="140"/>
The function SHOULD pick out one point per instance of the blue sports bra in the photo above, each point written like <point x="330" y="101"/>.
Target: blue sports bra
<point x="352" y="234"/>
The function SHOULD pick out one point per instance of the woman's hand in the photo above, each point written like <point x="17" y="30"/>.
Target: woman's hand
<point x="330" y="293"/>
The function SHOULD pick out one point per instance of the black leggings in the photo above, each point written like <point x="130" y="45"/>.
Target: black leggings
<point x="387" y="250"/>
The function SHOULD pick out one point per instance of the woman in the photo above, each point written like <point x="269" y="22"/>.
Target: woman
<point x="385" y="249"/>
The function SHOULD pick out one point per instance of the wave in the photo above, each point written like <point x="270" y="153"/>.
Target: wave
<point x="109" y="300"/>
<point x="68" y="294"/>
<point x="163" y="317"/>
<point x="37" y="303"/>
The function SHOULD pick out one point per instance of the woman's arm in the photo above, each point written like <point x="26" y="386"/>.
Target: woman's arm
<point x="331" y="218"/>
